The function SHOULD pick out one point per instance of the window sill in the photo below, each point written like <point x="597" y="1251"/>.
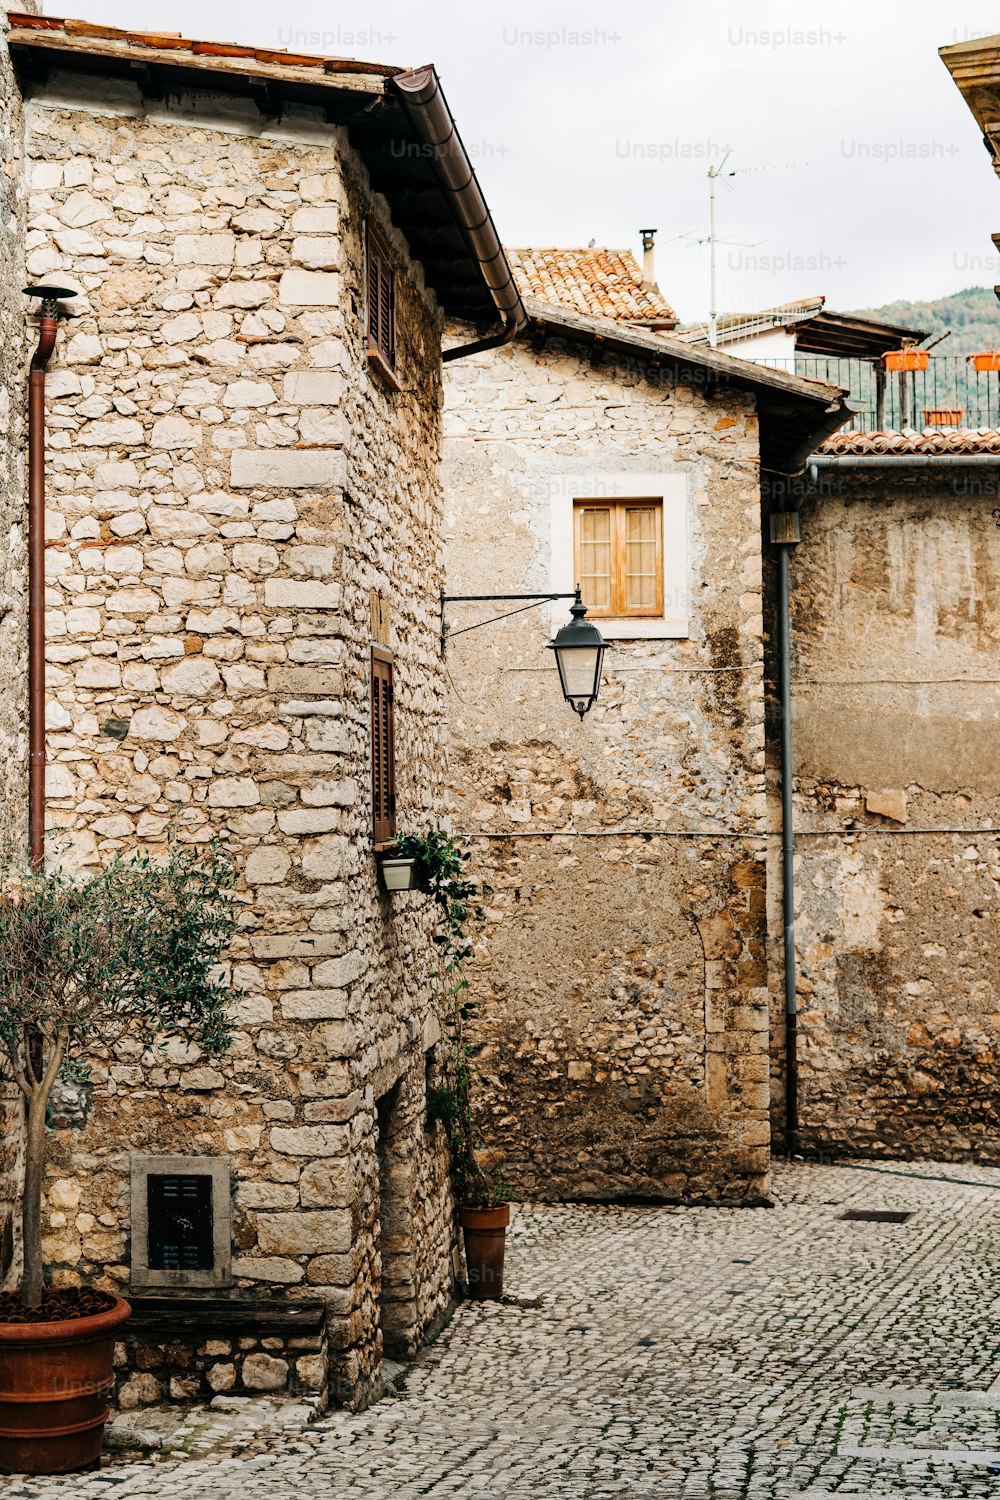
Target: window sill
<point x="385" y="370"/>
<point x="670" y="628"/>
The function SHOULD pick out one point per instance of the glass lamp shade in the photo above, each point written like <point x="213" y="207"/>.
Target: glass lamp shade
<point x="579" y="649"/>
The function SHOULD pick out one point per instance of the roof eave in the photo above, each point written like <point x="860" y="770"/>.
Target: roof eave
<point x="432" y="190"/>
<point x="797" y="413"/>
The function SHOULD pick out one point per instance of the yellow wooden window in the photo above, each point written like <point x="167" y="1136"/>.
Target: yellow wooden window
<point x="619" y="556"/>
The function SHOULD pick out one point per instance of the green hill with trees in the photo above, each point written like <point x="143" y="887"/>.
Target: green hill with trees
<point x="972" y="317"/>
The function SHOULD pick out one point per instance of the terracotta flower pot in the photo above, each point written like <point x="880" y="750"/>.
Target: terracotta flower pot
<point x="54" y="1385"/>
<point x="907" y="359"/>
<point x="988" y="360"/>
<point x="485" y="1231"/>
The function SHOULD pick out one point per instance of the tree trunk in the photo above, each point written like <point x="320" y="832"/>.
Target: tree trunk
<point x="31" y="1207"/>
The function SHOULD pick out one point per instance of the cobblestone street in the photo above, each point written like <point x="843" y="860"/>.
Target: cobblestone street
<point x="677" y="1353"/>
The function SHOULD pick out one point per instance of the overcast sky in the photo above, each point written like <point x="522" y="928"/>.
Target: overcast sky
<point x="860" y="172"/>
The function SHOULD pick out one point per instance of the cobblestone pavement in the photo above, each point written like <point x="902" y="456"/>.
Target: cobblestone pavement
<point x="673" y="1353"/>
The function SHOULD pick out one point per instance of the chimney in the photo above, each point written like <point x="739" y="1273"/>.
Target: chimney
<point x="648" y="271"/>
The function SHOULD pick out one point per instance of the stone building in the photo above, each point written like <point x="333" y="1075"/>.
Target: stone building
<point x="895" y="631"/>
<point x="896" y="636"/>
<point x="243" y="534"/>
<point x="622" y="991"/>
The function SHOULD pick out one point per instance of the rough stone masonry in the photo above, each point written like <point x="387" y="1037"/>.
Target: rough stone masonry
<point x="230" y="486"/>
<point x="621" y="995"/>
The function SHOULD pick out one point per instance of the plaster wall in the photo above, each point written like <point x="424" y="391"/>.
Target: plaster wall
<point x="896" y="724"/>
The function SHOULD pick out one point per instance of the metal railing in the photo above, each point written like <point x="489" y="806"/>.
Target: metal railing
<point x="950" y="393"/>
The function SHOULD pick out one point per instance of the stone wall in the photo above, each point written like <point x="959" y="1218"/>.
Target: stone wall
<point x="620" y="996"/>
<point x="13" y="657"/>
<point x="235" y="499"/>
<point x="896" y="631"/>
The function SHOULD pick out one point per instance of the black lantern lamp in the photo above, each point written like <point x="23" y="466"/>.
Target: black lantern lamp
<point x="579" y="648"/>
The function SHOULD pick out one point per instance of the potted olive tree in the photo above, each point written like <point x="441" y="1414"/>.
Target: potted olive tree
<point x="483" y="1209"/>
<point x="83" y="964"/>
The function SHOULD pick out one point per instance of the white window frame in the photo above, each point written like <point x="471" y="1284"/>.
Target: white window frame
<point x="671" y="490"/>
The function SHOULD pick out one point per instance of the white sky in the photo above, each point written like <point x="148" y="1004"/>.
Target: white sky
<point x="586" y="128"/>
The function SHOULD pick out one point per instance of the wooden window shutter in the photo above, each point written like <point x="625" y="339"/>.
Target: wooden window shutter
<point x="381" y="303"/>
<point x="373" y="295"/>
<point x="383" y="750"/>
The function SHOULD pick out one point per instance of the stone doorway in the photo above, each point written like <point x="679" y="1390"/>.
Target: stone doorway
<point x="398" y="1299"/>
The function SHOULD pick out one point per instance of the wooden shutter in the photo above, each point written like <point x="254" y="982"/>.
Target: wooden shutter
<point x="373" y="294"/>
<point x="381" y="304"/>
<point x="383" y="750"/>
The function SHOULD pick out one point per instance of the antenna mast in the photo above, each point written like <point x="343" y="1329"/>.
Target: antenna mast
<point x="713" y="311"/>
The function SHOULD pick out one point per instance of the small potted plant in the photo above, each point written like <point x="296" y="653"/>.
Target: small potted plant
<point x="483" y="1209"/>
<point x="398" y="870"/>
<point x="83" y="964"/>
<point x="907" y="359"/>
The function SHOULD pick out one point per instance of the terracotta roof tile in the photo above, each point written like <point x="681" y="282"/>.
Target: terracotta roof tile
<point x="930" y="441"/>
<point x="597" y="282"/>
<point x="83" y="31"/>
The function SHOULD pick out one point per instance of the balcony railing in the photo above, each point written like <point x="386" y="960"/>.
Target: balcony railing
<point x="949" y="393"/>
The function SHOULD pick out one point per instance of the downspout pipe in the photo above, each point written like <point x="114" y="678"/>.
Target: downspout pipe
<point x="49" y="297"/>
<point x="426" y="108"/>
<point x="785" y="534"/>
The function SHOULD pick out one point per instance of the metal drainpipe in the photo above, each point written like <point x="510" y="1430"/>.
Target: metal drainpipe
<point x="785" y="534"/>
<point x="47" y="331"/>
<point x="835" y="462"/>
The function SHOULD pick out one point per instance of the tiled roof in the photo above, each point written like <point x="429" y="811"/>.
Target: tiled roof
<point x="930" y="441"/>
<point x="594" y="281"/>
<point x="224" y="54"/>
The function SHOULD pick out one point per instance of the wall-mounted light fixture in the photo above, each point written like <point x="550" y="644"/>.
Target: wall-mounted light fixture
<point x="579" y="646"/>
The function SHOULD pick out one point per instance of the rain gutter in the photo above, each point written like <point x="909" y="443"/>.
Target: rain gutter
<point x="427" y="110"/>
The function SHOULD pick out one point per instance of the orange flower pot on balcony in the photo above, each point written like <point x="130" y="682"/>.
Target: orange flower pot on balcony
<point x="906" y="359"/>
<point x="944" y="416"/>
<point x="988" y="360"/>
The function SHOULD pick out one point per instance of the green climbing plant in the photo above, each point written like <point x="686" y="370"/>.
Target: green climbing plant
<point x="442" y="872"/>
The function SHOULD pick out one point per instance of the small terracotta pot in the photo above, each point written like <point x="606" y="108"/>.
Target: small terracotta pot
<point x="54" y="1384"/>
<point x="989" y="360"/>
<point x="485" y="1231"/>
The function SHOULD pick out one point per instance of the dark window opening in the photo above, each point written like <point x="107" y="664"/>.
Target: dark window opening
<point x="180" y="1223"/>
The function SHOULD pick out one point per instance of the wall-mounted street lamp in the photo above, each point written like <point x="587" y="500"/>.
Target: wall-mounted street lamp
<point x="579" y="646"/>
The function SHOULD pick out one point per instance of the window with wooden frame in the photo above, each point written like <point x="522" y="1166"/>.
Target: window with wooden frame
<point x="618" y="555"/>
<point x="383" y="750"/>
<point x="381" y="306"/>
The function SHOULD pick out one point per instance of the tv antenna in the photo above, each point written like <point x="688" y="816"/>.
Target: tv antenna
<point x="713" y="240"/>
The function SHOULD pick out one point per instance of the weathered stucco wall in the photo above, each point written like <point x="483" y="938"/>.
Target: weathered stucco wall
<point x="620" y="998"/>
<point x="896" y="629"/>
<point x="13" y="743"/>
<point x="230" y="485"/>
